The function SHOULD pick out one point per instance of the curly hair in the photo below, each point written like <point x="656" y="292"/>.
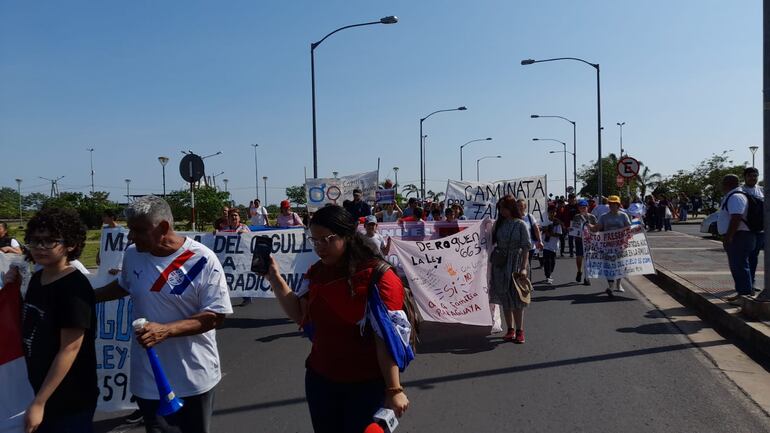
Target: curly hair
<point x="61" y="223"/>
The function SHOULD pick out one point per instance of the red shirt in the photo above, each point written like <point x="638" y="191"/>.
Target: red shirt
<point x="340" y="353"/>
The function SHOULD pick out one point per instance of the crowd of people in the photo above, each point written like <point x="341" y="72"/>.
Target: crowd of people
<point x="351" y="371"/>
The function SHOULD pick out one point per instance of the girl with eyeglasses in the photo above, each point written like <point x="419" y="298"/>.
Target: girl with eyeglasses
<point x="58" y="326"/>
<point x="350" y="371"/>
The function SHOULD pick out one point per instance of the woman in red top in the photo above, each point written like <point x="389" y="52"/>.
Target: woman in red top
<point x="350" y="374"/>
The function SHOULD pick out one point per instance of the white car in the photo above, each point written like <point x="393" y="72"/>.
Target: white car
<point x="709" y="224"/>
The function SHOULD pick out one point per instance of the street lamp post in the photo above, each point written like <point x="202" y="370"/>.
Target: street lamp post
<point x="461" y="152"/>
<point x="385" y="20"/>
<point x="163" y="161"/>
<point x="598" y="110"/>
<point x="395" y="193"/>
<point x="128" y="190"/>
<point x="214" y="178"/>
<point x="256" y="170"/>
<point x="753" y="150"/>
<point x="264" y="178"/>
<point x="422" y="147"/>
<point x="225" y="180"/>
<point x="91" y="152"/>
<point x="565" y="158"/>
<point x="620" y="124"/>
<point x="574" y="145"/>
<point x="18" y="187"/>
<point x="479" y="160"/>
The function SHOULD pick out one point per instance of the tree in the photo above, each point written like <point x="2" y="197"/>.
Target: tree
<point x="588" y="176"/>
<point x="296" y="194"/>
<point x="409" y="189"/>
<point x="34" y="201"/>
<point x="9" y="203"/>
<point x="705" y="179"/>
<point x="648" y="180"/>
<point x="208" y="204"/>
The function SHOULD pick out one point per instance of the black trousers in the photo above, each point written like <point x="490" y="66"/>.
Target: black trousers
<point x="194" y="417"/>
<point x="549" y="262"/>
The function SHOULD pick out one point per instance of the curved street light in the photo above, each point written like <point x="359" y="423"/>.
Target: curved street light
<point x="574" y="144"/>
<point x="390" y="19"/>
<point x="565" y="158"/>
<point x="461" y="152"/>
<point x="422" y="146"/>
<point x="481" y="159"/>
<point x="163" y="160"/>
<point x="598" y="108"/>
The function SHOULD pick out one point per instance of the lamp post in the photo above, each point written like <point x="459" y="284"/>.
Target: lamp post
<point x="598" y="110"/>
<point x="384" y="20"/>
<point x="422" y="147"/>
<point x="753" y="150"/>
<point x="91" y="152"/>
<point x="565" y="158"/>
<point x="128" y="190"/>
<point x="163" y="161"/>
<point x="256" y="170"/>
<point x="18" y="187"/>
<point x="225" y="180"/>
<point x="479" y="160"/>
<point x="461" y="152"/>
<point x="214" y="178"/>
<point x="335" y="173"/>
<point x="620" y="124"/>
<point x="264" y="178"/>
<point x="574" y="145"/>
<point x="395" y="193"/>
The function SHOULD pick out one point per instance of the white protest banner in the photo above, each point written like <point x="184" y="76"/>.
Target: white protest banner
<point x="448" y="276"/>
<point x="616" y="254"/>
<point x="323" y="191"/>
<point x="479" y="199"/>
<point x="291" y="249"/>
<point x="419" y="230"/>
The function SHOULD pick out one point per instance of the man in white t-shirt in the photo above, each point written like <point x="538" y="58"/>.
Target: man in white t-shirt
<point x="179" y="286"/>
<point x="258" y="214"/>
<point x="601" y="209"/>
<point x="739" y="242"/>
<point x="750" y="179"/>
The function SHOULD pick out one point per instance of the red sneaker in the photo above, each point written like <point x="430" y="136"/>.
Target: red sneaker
<point x="519" y="339"/>
<point x="510" y="336"/>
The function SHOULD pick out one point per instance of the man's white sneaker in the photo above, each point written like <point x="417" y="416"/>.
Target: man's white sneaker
<point x="549" y="280"/>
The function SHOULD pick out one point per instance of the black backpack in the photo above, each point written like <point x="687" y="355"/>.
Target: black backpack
<point x="755" y="216"/>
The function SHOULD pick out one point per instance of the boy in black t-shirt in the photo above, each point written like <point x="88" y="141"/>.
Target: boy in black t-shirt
<point x="58" y="325"/>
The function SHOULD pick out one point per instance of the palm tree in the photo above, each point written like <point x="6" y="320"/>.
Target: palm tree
<point x="648" y="180"/>
<point x="409" y="189"/>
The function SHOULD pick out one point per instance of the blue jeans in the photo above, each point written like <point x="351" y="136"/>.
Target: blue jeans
<point x="342" y="407"/>
<point x="754" y="257"/>
<point x="80" y="422"/>
<point x="739" y="252"/>
<point x="682" y="213"/>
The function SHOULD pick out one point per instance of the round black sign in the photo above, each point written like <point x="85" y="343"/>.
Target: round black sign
<point x="191" y="168"/>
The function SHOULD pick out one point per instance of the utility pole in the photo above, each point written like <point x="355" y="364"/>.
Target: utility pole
<point x="91" y="151"/>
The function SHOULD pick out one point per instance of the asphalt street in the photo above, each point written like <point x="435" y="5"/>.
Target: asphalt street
<point x="590" y="364"/>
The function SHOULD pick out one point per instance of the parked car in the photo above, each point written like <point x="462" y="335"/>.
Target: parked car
<point x="709" y="224"/>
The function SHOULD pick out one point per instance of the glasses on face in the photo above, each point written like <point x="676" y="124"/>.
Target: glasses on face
<point x="46" y="244"/>
<point x="321" y="241"/>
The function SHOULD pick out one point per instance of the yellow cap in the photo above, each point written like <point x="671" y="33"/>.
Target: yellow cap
<point x="613" y="199"/>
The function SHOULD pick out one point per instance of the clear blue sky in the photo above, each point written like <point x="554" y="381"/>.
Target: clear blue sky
<point x="140" y="79"/>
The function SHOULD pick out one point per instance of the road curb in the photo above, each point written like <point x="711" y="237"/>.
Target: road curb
<point x="719" y="313"/>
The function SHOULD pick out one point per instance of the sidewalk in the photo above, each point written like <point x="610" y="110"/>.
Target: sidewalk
<point x="694" y="270"/>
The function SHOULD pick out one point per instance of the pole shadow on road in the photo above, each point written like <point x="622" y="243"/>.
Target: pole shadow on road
<point x="454" y="338"/>
<point x="584" y="298"/>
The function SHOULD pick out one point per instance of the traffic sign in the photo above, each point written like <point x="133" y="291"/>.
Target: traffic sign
<point x="628" y="167"/>
<point x="191" y="168"/>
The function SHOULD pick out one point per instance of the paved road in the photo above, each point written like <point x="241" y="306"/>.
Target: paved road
<point x="589" y="365"/>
